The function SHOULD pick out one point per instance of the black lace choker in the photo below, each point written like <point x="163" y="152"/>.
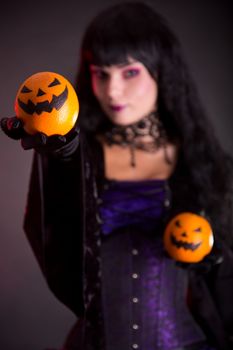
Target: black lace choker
<point x="148" y="134"/>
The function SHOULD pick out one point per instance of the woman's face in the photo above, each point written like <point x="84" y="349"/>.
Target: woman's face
<point x="126" y="92"/>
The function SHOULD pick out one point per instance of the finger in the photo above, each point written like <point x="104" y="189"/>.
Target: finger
<point x="13" y="127"/>
<point x="38" y="140"/>
<point x="56" y="140"/>
<point x="14" y="123"/>
<point x="183" y="265"/>
<point x="73" y="133"/>
<point x="11" y="123"/>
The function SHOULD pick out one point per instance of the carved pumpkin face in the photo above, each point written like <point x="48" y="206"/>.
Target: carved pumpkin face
<point x="47" y="102"/>
<point x="188" y="237"/>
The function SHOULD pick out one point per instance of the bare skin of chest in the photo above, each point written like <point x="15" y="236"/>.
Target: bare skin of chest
<point x="149" y="165"/>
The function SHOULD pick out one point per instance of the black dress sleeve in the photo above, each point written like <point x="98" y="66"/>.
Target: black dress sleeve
<point x="53" y="224"/>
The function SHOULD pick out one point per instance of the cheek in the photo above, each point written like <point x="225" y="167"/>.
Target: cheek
<point x="146" y="89"/>
<point x="96" y="89"/>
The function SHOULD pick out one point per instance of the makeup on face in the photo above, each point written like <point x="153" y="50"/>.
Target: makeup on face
<point x="104" y="73"/>
<point x="126" y="92"/>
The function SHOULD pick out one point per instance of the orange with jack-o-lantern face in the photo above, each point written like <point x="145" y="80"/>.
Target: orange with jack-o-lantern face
<point x="188" y="237"/>
<point x="47" y="102"/>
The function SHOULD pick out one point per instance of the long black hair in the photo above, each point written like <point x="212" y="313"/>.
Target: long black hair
<point x="203" y="176"/>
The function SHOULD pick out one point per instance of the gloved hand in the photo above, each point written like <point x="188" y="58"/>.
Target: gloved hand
<point x="214" y="258"/>
<point x="13" y="128"/>
<point x="57" y="145"/>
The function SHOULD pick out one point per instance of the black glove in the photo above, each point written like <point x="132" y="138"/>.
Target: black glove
<point x="214" y="258"/>
<point x="57" y="145"/>
<point x="13" y="128"/>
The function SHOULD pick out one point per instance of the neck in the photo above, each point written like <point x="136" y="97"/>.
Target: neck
<point x="147" y="134"/>
<point x="147" y="129"/>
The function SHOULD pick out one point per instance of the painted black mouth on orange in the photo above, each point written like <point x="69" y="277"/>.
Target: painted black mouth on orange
<point x="57" y="102"/>
<point x="183" y="244"/>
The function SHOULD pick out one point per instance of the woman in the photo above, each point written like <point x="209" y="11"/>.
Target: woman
<point x="100" y="197"/>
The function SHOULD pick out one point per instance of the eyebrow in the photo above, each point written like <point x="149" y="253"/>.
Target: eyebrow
<point x="120" y="65"/>
<point x="125" y="64"/>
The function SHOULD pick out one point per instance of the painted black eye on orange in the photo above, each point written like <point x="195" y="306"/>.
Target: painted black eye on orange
<point x="177" y="223"/>
<point x="197" y="229"/>
<point x="54" y="82"/>
<point x="25" y="90"/>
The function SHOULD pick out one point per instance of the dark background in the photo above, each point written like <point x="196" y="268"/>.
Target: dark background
<point x="37" y="36"/>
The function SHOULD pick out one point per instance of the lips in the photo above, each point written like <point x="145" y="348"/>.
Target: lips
<point x="117" y="108"/>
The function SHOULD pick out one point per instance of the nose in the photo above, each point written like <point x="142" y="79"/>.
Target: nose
<point x="114" y="88"/>
<point x="184" y="234"/>
<point x="40" y="92"/>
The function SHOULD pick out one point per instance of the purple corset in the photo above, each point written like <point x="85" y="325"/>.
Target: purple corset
<point x="133" y="203"/>
<point x="143" y="291"/>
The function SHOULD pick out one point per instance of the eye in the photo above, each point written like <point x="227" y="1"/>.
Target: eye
<point x="25" y="90"/>
<point x="130" y="73"/>
<point x="197" y="229"/>
<point x="177" y="223"/>
<point x="54" y="82"/>
<point x="99" y="74"/>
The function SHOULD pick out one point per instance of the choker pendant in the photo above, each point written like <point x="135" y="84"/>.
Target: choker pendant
<point x="134" y="135"/>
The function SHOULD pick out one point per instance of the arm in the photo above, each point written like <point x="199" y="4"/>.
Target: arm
<point x="54" y="224"/>
<point x="54" y="214"/>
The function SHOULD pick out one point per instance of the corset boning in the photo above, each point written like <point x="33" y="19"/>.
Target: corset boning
<point x="144" y="296"/>
<point x="144" y="293"/>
